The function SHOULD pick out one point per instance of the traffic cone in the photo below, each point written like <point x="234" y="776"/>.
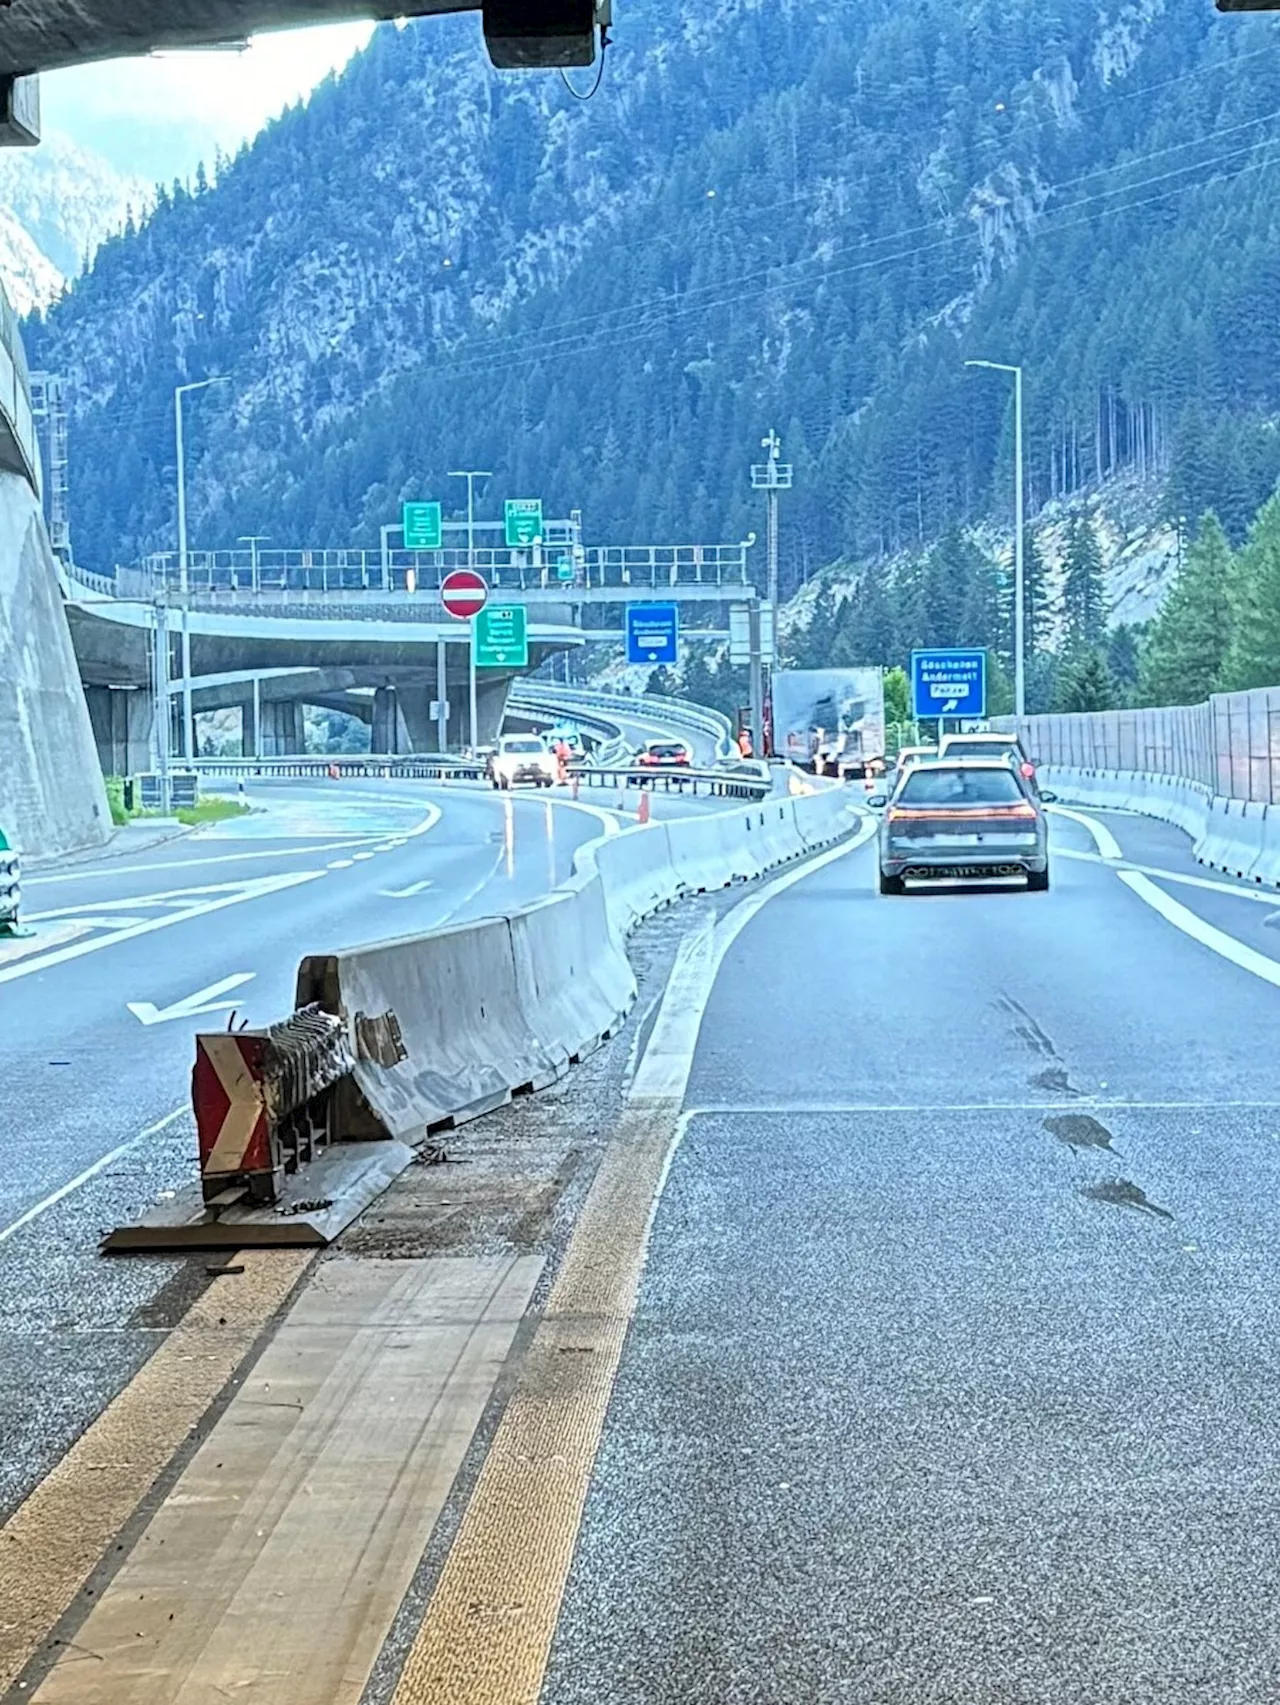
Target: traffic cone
<point x="642" y="814"/>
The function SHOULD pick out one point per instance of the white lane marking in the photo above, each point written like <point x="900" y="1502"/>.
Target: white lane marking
<point x="601" y="813"/>
<point x="340" y="864"/>
<point x="1259" y="896"/>
<point x="136" y="902"/>
<point x="405" y="893"/>
<point x="1072" y="1104"/>
<point x="1103" y="839"/>
<point x="663" y="1072"/>
<point x="249" y="891"/>
<point x="100" y="872"/>
<point x="89" y="1172"/>
<point x="1174" y="912"/>
<point x="358" y="858"/>
<point x="1190" y="923"/>
<point x="204" y="1000"/>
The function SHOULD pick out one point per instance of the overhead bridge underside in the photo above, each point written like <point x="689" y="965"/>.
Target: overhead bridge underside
<point x="48" y="35"/>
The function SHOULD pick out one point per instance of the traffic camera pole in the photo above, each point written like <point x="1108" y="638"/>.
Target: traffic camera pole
<point x="756" y="677"/>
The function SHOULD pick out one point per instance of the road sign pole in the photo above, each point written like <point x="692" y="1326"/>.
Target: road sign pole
<point x="442" y="698"/>
<point x="471" y="683"/>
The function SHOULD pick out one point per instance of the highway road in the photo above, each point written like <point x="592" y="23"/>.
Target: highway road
<point x="915" y="1343"/>
<point x="953" y="1370"/>
<point x="132" y="955"/>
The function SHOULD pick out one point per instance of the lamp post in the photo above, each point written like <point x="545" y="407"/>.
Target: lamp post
<point x="1019" y="610"/>
<point x="471" y="475"/>
<point x="188" y="718"/>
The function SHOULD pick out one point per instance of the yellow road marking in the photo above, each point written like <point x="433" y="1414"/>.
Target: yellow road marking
<point x="55" y="1540"/>
<point x="487" y="1631"/>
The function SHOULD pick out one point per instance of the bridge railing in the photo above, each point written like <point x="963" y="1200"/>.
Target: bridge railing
<point x="357" y="572"/>
<point x="19" y="449"/>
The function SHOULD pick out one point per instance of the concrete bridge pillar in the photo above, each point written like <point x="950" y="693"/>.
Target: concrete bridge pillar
<point x="248" y="730"/>
<point x="122" y="720"/>
<point x="389" y="734"/>
<point x="283" y="731"/>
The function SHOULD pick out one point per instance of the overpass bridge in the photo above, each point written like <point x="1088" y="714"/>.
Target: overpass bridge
<point x="357" y="630"/>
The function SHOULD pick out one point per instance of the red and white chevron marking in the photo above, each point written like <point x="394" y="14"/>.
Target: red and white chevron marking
<point x="229" y="1101"/>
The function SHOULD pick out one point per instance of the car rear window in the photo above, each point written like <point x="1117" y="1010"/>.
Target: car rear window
<point x="960" y="787"/>
<point x="984" y="749"/>
<point x="522" y="746"/>
<point x="667" y="751"/>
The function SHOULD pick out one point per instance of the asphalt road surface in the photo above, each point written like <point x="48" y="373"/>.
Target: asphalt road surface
<point x="132" y="955"/>
<point x="954" y="1368"/>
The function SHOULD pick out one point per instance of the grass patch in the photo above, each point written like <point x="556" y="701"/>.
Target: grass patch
<point x="214" y="809"/>
<point x="115" y="800"/>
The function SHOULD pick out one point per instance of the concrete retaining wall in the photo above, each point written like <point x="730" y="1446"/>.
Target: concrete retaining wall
<point x="51" y="793"/>
<point x="450" y="1024"/>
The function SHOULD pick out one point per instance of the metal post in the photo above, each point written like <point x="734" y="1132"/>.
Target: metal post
<point x="257" y="716"/>
<point x="442" y="697"/>
<point x="756" y="676"/>
<point x="188" y="713"/>
<point x="162" y="713"/>
<point x="471" y="475"/>
<point x="384" y="534"/>
<point x="1019" y="583"/>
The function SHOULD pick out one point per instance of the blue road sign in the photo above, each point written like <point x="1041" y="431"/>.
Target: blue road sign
<point x="653" y="632"/>
<point x="949" y="683"/>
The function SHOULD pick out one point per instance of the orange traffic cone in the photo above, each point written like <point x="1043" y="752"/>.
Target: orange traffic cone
<point x="642" y="815"/>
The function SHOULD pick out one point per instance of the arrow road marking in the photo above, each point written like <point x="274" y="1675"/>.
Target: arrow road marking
<point x="405" y="893"/>
<point x="204" y="1000"/>
<point x="130" y="932"/>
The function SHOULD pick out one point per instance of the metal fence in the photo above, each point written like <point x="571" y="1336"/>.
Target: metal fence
<point x="1230" y="745"/>
<point x="546" y="568"/>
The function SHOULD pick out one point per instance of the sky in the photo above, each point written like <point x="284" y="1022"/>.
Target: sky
<point x="155" y="118"/>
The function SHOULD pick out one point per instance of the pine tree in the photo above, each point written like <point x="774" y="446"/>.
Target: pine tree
<point x="1254" y="657"/>
<point x="1084" y="682"/>
<point x="1082" y="609"/>
<point x="1185" y="655"/>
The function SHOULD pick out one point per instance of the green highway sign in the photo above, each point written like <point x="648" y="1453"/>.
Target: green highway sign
<point x="500" y="635"/>
<point x="421" y="525"/>
<point x="523" y="516"/>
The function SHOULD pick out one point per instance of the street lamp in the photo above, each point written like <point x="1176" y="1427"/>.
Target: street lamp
<point x="1019" y="610"/>
<point x="188" y="718"/>
<point x="471" y="475"/>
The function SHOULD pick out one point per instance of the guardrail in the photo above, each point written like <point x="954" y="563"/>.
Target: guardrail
<point x="721" y="784"/>
<point x="679" y="714"/>
<point x="271" y="572"/>
<point x="423" y="767"/>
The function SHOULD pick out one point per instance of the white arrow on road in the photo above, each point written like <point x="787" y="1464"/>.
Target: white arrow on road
<point x="204" y="1000"/>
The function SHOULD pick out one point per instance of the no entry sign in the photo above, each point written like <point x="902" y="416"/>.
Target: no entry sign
<point x="464" y="593"/>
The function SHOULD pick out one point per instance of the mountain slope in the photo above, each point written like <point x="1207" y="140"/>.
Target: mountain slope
<point x="794" y="215"/>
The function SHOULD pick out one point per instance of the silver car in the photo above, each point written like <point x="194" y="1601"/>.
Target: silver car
<point x="963" y="823"/>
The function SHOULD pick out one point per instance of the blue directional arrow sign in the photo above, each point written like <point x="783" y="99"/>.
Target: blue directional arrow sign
<point x="653" y="632"/>
<point x="949" y="683"/>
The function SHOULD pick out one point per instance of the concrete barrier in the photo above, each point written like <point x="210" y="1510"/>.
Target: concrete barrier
<point x="1239" y="837"/>
<point x="447" y="1025"/>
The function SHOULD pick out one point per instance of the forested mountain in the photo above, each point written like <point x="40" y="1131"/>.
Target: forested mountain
<point x="804" y="214"/>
